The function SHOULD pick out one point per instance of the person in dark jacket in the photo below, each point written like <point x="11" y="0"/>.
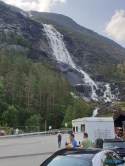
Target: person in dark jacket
<point x="59" y="136"/>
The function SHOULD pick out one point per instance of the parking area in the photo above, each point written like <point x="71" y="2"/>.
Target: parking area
<point x="28" y="151"/>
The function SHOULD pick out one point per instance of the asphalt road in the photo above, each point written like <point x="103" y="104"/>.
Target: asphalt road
<point x="30" y="151"/>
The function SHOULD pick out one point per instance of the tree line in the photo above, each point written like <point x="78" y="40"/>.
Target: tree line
<point x="30" y="93"/>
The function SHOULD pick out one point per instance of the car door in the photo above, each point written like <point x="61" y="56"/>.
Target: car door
<point x="111" y="159"/>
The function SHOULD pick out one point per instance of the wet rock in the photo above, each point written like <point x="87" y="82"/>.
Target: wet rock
<point x="100" y="78"/>
<point x="99" y="93"/>
<point x="82" y="88"/>
<point x="94" y="87"/>
<point x="76" y="72"/>
<point x="104" y="88"/>
<point x="73" y="78"/>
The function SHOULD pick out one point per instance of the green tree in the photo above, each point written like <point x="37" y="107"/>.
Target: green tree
<point x="3" y="104"/>
<point x="10" y="116"/>
<point x="35" y="92"/>
<point x="34" y="120"/>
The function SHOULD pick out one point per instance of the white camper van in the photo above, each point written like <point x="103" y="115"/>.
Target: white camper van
<point x="95" y="127"/>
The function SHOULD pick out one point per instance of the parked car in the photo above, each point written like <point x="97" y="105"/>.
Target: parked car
<point x="83" y="157"/>
<point x="117" y="145"/>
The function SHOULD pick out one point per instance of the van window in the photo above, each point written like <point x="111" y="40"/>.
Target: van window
<point x="83" y="128"/>
<point x="76" y="129"/>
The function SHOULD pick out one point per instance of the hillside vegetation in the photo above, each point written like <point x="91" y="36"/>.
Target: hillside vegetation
<point x="114" y="72"/>
<point x="32" y="87"/>
<point x="31" y="93"/>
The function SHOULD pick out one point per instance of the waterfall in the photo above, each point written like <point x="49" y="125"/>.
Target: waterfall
<point x="61" y="54"/>
<point x="95" y="112"/>
<point x="59" y="50"/>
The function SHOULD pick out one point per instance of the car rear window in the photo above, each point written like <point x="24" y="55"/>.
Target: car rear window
<point x="85" y="156"/>
<point x="108" y="145"/>
<point x="66" y="161"/>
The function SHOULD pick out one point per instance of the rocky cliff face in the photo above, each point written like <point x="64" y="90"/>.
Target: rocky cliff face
<point x="27" y="28"/>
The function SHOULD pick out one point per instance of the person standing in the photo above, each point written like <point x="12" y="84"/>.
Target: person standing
<point x="12" y="131"/>
<point x="2" y="132"/>
<point x="59" y="136"/>
<point x="73" y="143"/>
<point x="86" y="143"/>
<point x="17" y="131"/>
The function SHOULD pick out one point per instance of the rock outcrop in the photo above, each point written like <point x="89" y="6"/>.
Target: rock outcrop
<point x="27" y="28"/>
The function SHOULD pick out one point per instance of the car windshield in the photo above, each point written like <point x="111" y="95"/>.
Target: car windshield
<point x="66" y="161"/>
<point x="113" y="145"/>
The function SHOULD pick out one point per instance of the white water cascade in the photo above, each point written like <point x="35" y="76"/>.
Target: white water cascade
<point x="62" y="55"/>
<point x="107" y="94"/>
<point x="95" y="112"/>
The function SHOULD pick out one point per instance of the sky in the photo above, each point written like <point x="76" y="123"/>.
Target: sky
<point x="106" y="17"/>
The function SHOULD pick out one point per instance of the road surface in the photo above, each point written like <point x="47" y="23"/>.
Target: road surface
<point x="30" y="151"/>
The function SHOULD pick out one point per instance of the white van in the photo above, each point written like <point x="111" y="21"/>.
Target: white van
<point x="95" y="127"/>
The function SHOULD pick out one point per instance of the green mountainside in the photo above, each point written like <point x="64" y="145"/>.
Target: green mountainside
<point x="32" y="87"/>
<point x="31" y="93"/>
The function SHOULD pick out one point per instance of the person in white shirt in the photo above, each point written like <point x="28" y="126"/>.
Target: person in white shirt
<point x="17" y="131"/>
<point x="2" y="132"/>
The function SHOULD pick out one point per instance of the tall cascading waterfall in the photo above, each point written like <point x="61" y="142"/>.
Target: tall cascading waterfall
<point x="62" y="55"/>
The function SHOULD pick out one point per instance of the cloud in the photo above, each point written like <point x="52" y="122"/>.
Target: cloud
<point x="116" y="26"/>
<point x="38" y="5"/>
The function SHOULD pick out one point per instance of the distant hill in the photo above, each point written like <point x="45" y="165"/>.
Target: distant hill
<point x="64" y="20"/>
<point x="13" y="8"/>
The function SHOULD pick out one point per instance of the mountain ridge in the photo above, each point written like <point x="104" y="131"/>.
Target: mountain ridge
<point x="59" y="18"/>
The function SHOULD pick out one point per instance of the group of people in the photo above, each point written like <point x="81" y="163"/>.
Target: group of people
<point x="16" y="131"/>
<point x="86" y="142"/>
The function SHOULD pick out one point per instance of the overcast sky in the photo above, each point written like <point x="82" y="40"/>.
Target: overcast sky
<point x="106" y="17"/>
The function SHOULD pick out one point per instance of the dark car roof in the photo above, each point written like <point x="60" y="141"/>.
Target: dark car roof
<point x="81" y="152"/>
<point x="113" y="140"/>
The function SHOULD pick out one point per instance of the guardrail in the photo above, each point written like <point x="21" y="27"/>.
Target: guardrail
<point x="51" y="132"/>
